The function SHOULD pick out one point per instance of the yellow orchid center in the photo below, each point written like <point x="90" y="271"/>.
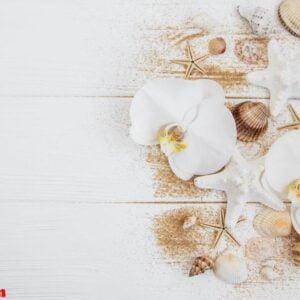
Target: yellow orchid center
<point x="294" y="192"/>
<point x="171" y="140"/>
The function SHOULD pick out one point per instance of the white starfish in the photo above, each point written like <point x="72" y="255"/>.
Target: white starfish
<point x="281" y="77"/>
<point x="241" y="182"/>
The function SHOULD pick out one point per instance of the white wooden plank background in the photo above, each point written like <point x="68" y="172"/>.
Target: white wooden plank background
<point x="77" y="197"/>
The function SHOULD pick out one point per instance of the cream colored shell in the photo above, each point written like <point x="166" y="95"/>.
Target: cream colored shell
<point x="289" y="15"/>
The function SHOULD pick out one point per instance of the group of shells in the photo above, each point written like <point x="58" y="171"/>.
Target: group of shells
<point x="227" y="267"/>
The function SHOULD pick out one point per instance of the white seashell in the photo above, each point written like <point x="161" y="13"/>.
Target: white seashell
<point x="231" y="269"/>
<point x="271" y="223"/>
<point x="269" y="273"/>
<point x="282" y="164"/>
<point x="259" y="18"/>
<point x="260" y="249"/>
<point x="189" y="222"/>
<point x="195" y="106"/>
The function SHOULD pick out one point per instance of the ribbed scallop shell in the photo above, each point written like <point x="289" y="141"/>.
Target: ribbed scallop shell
<point x="289" y="15"/>
<point x="271" y="223"/>
<point x="296" y="253"/>
<point x="251" y="120"/>
<point x="231" y="269"/>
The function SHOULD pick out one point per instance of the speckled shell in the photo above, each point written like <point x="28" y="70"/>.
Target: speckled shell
<point x="289" y="15"/>
<point x="271" y="223"/>
<point x="296" y="253"/>
<point x="231" y="269"/>
<point x="251" y="52"/>
<point x="259" y="18"/>
<point x="200" y="265"/>
<point x="251" y="120"/>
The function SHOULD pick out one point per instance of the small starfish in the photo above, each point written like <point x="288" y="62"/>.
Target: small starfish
<point x="222" y="229"/>
<point x="296" y="119"/>
<point x="191" y="63"/>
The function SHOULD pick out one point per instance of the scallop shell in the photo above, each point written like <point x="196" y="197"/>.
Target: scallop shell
<point x="231" y="269"/>
<point x="296" y="253"/>
<point x="259" y="18"/>
<point x="289" y="15"/>
<point x="260" y="249"/>
<point x="251" y="120"/>
<point x="271" y="223"/>
<point x="251" y="52"/>
<point x="200" y="265"/>
<point x="217" y="46"/>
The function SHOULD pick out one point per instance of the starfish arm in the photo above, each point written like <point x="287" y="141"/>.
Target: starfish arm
<point x="232" y="237"/>
<point x="235" y="205"/>
<point x="189" y="50"/>
<point x="294" y="113"/>
<point x="201" y="58"/>
<point x="215" y="181"/>
<point x="217" y="239"/>
<point x="268" y="199"/>
<point x="197" y="67"/>
<point x="216" y="227"/>
<point x="180" y="61"/>
<point x="188" y="71"/>
<point x="290" y="125"/>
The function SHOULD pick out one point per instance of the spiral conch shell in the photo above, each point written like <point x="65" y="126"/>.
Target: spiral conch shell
<point x="271" y="223"/>
<point x="289" y="15"/>
<point x="259" y="18"/>
<point x="251" y="120"/>
<point x="200" y="265"/>
<point x="231" y="269"/>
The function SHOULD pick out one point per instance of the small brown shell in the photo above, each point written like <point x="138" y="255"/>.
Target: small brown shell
<point x="217" y="46"/>
<point x="289" y="16"/>
<point x="251" y="120"/>
<point x="296" y="253"/>
<point x="200" y="265"/>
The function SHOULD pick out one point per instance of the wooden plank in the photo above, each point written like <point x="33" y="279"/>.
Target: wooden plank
<point x="77" y="48"/>
<point x="79" y="150"/>
<point x="59" y="251"/>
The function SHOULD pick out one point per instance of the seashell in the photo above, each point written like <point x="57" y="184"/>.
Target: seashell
<point x="250" y="52"/>
<point x="289" y="16"/>
<point x="231" y="269"/>
<point x="260" y="249"/>
<point x="269" y="273"/>
<point x="189" y="222"/>
<point x="197" y="107"/>
<point x="259" y="18"/>
<point x="251" y="120"/>
<point x="216" y="46"/>
<point x="200" y="265"/>
<point x="295" y="215"/>
<point x="271" y="223"/>
<point x="296" y="253"/>
<point x="282" y="164"/>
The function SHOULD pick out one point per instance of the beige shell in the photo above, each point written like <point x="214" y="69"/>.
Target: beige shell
<point x="200" y="265"/>
<point x="251" y="120"/>
<point x="231" y="269"/>
<point x="271" y="223"/>
<point x="251" y="51"/>
<point x="217" y="46"/>
<point x="296" y="253"/>
<point x="260" y="249"/>
<point x="289" y="15"/>
<point x="269" y="273"/>
<point x="189" y="221"/>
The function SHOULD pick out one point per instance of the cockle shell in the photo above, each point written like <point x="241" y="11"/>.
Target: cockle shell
<point x="231" y="269"/>
<point x="259" y="18"/>
<point x="189" y="222"/>
<point x="296" y="253"/>
<point x="200" y="265"/>
<point x="271" y="223"/>
<point x="195" y="106"/>
<point x="289" y="15"/>
<point x="282" y="164"/>
<point x="251" y="120"/>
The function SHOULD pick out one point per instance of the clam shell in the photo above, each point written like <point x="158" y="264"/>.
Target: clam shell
<point x="271" y="223"/>
<point x="217" y="46"/>
<point x="251" y="120"/>
<point x="231" y="269"/>
<point x="296" y="253"/>
<point x="260" y="249"/>
<point x="259" y="18"/>
<point x="289" y="15"/>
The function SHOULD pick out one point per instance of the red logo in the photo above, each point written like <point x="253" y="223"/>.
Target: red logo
<point x="2" y="293"/>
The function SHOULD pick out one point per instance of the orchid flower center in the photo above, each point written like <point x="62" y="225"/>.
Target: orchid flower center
<point x="294" y="192"/>
<point x="171" y="139"/>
